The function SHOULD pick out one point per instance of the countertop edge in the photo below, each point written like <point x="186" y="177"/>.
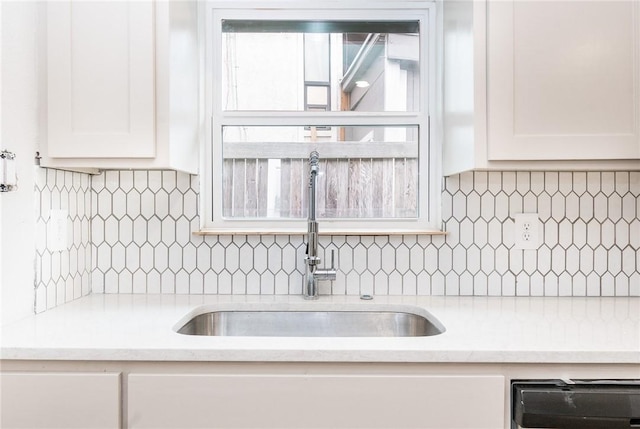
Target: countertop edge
<point x="346" y="356"/>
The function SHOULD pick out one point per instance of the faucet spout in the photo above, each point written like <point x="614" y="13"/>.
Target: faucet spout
<point x="312" y="273"/>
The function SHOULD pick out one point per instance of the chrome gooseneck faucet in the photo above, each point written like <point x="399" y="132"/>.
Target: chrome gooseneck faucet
<point x="311" y="272"/>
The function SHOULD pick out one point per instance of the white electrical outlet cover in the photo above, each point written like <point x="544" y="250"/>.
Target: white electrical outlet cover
<point x="526" y="231"/>
<point x="57" y="230"/>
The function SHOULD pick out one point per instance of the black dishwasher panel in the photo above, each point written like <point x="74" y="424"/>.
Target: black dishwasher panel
<point x="576" y="404"/>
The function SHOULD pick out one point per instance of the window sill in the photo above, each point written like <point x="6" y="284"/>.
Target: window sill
<point x="324" y="232"/>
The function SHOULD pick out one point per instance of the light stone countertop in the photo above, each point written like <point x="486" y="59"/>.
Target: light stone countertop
<point x="478" y="330"/>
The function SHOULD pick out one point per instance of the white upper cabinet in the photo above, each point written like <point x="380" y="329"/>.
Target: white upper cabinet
<point x="563" y="80"/>
<point x="100" y="80"/>
<point x="554" y="81"/>
<point x="122" y="85"/>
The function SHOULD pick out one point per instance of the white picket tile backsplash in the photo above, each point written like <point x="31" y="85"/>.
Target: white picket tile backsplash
<point x="131" y="232"/>
<point x="62" y="276"/>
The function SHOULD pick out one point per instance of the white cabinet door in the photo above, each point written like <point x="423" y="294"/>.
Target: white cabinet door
<point x="100" y="89"/>
<point x="315" y="401"/>
<point x="563" y="80"/>
<point x="59" y="400"/>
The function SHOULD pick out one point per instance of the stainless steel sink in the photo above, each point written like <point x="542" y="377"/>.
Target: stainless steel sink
<point x="311" y="324"/>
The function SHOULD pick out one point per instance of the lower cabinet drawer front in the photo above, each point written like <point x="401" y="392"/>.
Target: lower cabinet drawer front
<point x="59" y="400"/>
<point x="314" y="401"/>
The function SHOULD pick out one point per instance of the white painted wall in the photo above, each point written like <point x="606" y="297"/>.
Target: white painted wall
<point x="19" y="134"/>
<point x="1" y="141"/>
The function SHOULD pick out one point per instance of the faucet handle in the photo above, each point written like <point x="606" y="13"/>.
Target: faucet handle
<point x="327" y="273"/>
<point x="333" y="260"/>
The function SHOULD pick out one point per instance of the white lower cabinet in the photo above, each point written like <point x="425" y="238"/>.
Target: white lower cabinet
<point x="315" y="401"/>
<point x="59" y="400"/>
<point x="138" y="394"/>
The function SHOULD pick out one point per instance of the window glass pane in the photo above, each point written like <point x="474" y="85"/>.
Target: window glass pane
<point x="317" y="96"/>
<point x="259" y="72"/>
<point x="316" y="57"/>
<point x="267" y="64"/>
<point x="366" y="172"/>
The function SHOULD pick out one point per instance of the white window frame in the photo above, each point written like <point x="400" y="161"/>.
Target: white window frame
<point x="429" y="188"/>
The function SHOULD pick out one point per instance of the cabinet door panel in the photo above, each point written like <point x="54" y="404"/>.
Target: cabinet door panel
<point x="314" y="401"/>
<point x="58" y="400"/>
<point x="100" y="59"/>
<point x="563" y="80"/>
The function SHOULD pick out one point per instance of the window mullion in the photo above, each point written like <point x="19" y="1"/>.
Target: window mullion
<point x="326" y="118"/>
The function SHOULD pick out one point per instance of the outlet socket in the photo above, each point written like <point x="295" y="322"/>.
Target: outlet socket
<point x="57" y="230"/>
<point x="526" y="231"/>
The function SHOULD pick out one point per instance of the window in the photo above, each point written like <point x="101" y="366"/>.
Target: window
<point x="355" y="84"/>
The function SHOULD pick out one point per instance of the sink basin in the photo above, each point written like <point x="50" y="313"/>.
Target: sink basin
<point x="311" y="324"/>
